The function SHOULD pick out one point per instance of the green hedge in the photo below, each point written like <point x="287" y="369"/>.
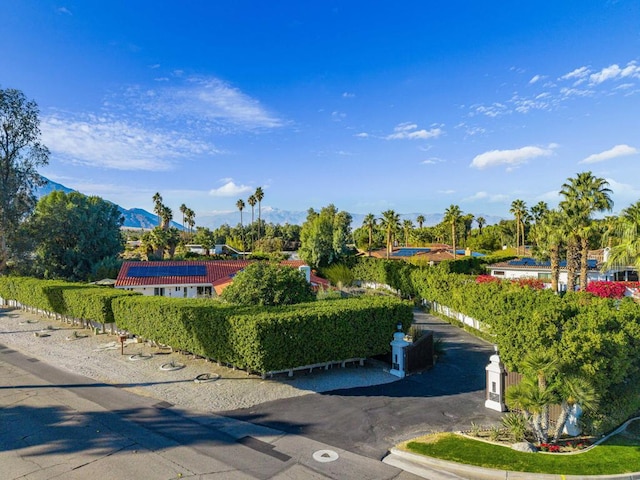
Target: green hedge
<point x="75" y="300"/>
<point x="267" y="339"/>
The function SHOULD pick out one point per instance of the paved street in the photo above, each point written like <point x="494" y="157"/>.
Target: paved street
<point x="55" y="424"/>
<point x="369" y="420"/>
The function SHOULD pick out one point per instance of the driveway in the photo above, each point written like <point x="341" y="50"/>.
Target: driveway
<point x="369" y="420"/>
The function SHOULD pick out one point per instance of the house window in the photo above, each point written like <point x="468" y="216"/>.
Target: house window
<point x="544" y="276"/>
<point x="158" y="291"/>
<point x="177" y="289"/>
<point x="184" y="290"/>
<point x="498" y="273"/>
<point x="204" y="291"/>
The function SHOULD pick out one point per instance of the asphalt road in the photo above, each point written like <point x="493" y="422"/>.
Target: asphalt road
<point x="370" y="420"/>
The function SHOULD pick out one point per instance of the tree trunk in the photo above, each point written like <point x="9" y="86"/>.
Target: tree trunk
<point x="572" y="263"/>
<point x="555" y="268"/>
<point x="562" y="419"/>
<point x="584" y="243"/>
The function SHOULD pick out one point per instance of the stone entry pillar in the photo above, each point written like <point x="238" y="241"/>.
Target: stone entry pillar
<point x="495" y="384"/>
<point x="397" y="353"/>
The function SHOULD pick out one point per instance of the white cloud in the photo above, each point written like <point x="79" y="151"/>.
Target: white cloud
<point x="615" y="152"/>
<point x="447" y="192"/>
<point x="64" y="10"/>
<point x="432" y="161"/>
<point x="493" y="110"/>
<point x="348" y="95"/>
<point x="510" y="158"/>
<point x="614" y="72"/>
<point x="408" y="131"/>
<point x="535" y="78"/>
<point x="579" y="75"/>
<point x="230" y="189"/>
<point x="116" y="144"/>
<point x="203" y="101"/>
<point x="338" y="116"/>
<point x="487" y="197"/>
<point x="362" y="135"/>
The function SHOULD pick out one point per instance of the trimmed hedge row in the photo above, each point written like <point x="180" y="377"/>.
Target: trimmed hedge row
<point x="260" y="339"/>
<point x="268" y="339"/>
<point x="74" y="300"/>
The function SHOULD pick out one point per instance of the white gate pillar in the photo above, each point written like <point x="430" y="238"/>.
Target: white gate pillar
<point x="397" y="353"/>
<point x="495" y="384"/>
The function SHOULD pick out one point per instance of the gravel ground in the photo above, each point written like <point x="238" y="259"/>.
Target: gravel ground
<point x="99" y="357"/>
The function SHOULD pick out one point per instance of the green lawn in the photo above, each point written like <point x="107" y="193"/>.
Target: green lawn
<point x="620" y="454"/>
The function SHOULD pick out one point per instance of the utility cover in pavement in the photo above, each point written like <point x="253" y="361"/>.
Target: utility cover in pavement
<point x="325" y="456"/>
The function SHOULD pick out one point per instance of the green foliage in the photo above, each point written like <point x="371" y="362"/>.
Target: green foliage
<point x="516" y="424"/>
<point x="73" y="233"/>
<point x="395" y="273"/>
<point x="267" y="339"/>
<point x="324" y="236"/>
<point x="108" y="267"/>
<point x="21" y="153"/>
<point x="72" y="299"/>
<point x="264" y="283"/>
<point x="339" y="274"/>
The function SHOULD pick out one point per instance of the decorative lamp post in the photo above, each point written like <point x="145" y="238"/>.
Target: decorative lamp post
<point x="495" y="383"/>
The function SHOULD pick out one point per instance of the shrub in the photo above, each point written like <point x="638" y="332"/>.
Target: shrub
<point x="607" y="289"/>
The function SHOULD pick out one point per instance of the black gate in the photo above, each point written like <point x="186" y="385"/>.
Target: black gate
<point x="419" y="355"/>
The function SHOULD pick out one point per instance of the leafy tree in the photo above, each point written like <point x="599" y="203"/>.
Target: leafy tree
<point x="420" y="219"/>
<point x="549" y="237"/>
<point x="206" y="238"/>
<point x="324" y="236"/>
<point x="264" y="283"/>
<point x="73" y="233"/>
<point x="20" y="154"/>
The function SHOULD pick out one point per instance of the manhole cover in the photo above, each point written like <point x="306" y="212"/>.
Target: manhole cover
<point x="325" y="456"/>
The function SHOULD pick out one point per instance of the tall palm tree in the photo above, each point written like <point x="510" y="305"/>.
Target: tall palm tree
<point x="157" y="205"/>
<point x="539" y="210"/>
<point x="259" y="194"/>
<point x="584" y="195"/>
<point x="420" y="220"/>
<point x="240" y="206"/>
<point x="370" y="223"/>
<point x="183" y="210"/>
<point x="390" y="221"/>
<point x="189" y="217"/>
<point x="519" y="210"/>
<point x="481" y="223"/>
<point x="407" y="226"/>
<point x="252" y="201"/>
<point x="549" y="237"/>
<point x="452" y="216"/>
<point x="467" y="221"/>
<point x="627" y="231"/>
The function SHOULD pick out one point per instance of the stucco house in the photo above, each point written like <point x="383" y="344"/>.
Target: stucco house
<point x="197" y="279"/>
<point x="527" y="267"/>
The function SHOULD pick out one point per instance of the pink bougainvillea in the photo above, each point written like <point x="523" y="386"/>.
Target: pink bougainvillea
<point x="487" y="279"/>
<point x="522" y="282"/>
<point x="607" y="289"/>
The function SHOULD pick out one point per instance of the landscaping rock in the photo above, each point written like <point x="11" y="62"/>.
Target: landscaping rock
<point x="524" y="447"/>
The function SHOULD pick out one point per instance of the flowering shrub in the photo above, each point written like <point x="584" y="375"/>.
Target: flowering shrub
<point x="487" y="279"/>
<point x="607" y="289"/>
<point x="549" y="447"/>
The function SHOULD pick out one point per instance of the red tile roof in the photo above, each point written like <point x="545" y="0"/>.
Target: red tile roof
<point x="219" y="273"/>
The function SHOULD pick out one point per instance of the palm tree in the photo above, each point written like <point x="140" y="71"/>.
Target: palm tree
<point x="390" y="221"/>
<point x="420" y="220"/>
<point x="259" y="194"/>
<point x="572" y="390"/>
<point x="549" y="237"/>
<point x="452" y="216"/>
<point x="157" y="205"/>
<point x="584" y="195"/>
<point x="519" y="210"/>
<point x="407" y="226"/>
<point x="539" y="210"/>
<point x="627" y="230"/>
<point x="166" y="215"/>
<point x="370" y="223"/>
<point x="240" y="206"/>
<point x="534" y="402"/>
<point x="183" y="210"/>
<point x="542" y="365"/>
<point x="252" y="201"/>
<point x="190" y="216"/>
<point x="481" y="223"/>
<point x="467" y="221"/>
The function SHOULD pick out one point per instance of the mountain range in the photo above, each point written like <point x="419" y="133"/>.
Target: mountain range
<point x="139" y="218"/>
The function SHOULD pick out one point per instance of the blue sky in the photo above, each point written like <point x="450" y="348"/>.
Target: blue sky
<point x="373" y="105"/>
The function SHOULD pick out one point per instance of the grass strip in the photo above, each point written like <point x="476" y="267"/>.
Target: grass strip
<point x="619" y="454"/>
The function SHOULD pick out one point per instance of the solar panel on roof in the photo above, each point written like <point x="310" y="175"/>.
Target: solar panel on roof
<point x="147" y="271"/>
